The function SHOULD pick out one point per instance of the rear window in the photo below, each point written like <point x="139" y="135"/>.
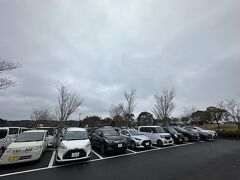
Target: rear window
<point x="3" y="133"/>
<point x="13" y="130"/>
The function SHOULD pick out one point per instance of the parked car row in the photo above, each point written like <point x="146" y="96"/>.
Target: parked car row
<point x="77" y="143"/>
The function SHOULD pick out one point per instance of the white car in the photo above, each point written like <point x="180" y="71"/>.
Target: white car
<point x="28" y="146"/>
<point x="157" y="135"/>
<point x="75" y="145"/>
<point x="51" y="134"/>
<point x="7" y="136"/>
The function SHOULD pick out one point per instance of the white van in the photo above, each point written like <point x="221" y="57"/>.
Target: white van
<point x="7" y="135"/>
<point x="157" y="135"/>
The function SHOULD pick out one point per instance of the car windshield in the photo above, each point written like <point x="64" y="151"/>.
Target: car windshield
<point x="110" y="132"/>
<point x="30" y="136"/>
<point x="159" y="130"/>
<point x="172" y="130"/>
<point x="181" y="129"/>
<point x="75" y="135"/>
<point x="134" y="132"/>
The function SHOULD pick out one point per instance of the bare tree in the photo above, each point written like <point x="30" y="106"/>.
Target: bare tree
<point x="163" y="104"/>
<point x="233" y="110"/>
<point x="40" y="114"/>
<point x="6" y="66"/>
<point x="116" y="110"/>
<point x="130" y="105"/>
<point x="68" y="103"/>
<point x="187" y="113"/>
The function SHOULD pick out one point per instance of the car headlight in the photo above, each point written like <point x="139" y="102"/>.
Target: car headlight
<point x="37" y="148"/>
<point x="162" y="136"/>
<point x="137" y="139"/>
<point x="88" y="145"/>
<point x="8" y="150"/>
<point x="175" y="135"/>
<point x="108" y="141"/>
<point x="62" y="146"/>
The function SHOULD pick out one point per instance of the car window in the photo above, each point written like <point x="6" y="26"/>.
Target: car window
<point x="124" y="132"/>
<point x="3" y="133"/>
<point x="13" y="130"/>
<point x="135" y="132"/>
<point x="75" y="135"/>
<point x="110" y="132"/>
<point x="158" y="130"/>
<point x="30" y="137"/>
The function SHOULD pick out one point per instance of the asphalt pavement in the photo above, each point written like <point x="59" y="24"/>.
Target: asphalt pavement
<point x="208" y="160"/>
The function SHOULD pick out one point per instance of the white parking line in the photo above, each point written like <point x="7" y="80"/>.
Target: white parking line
<point x="93" y="160"/>
<point x="98" y="155"/>
<point x="131" y="151"/>
<point x="154" y="147"/>
<point x="52" y="159"/>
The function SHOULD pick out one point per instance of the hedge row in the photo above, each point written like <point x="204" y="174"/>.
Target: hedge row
<point x="229" y="135"/>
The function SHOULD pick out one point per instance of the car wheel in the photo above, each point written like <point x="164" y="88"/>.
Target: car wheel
<point x="186" y="139"/>
<point x="102" y="148"/>
<point x="159" y="143"/>
<point x="133" y="145"/>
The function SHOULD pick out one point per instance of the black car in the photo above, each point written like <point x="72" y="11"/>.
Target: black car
<point x="177" y="137"/>
<point x="187" y="135"/>
<point x="204" y="136"/>
<point x="108" y="140"/>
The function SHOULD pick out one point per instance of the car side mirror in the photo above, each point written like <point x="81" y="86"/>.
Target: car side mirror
<point x="152" y="132"/>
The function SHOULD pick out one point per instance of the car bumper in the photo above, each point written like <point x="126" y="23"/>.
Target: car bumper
<point x="168" y="142"/>
<point x="19" y="158"/>
<point x="64" y="155"/>
<point x="116" y="147"/>
<point x="143" y="144"/>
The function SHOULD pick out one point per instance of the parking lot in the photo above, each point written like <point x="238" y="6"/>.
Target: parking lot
<point x="201" y="160"/>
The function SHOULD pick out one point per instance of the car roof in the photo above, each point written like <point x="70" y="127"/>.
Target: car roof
<point x="148" y="126"/>
<point x="35" y="131"/>
<point x="75" y="129"/>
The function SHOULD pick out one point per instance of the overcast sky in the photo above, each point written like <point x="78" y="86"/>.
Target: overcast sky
<point x="103" y="48"/>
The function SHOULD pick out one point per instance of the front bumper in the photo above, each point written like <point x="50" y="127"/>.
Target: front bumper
<point x="64" y="155"/>
<point x="143" y="144"/>
<point x="167" y="142"/>
<point x="19" y="157"/>
<point x="116" y="146"/>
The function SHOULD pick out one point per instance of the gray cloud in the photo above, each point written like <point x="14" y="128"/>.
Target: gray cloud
<point x="103" y="48"/>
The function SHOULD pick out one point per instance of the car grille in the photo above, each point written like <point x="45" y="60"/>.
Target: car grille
<point x="146" y="141"/>
<point x="167" y="137"/>
<point x="25" y="157"/>
<point x="68" y="155"/>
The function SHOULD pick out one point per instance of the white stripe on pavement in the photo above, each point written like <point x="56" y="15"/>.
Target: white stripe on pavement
<point x="98" y="155"/>
<point x="52" y="159"/>
<point x="131" y="151"/>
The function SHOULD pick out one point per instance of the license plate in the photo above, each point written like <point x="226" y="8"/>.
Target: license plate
<point x="75" y="154"/>
<point x="147" y="144"/>
<point x="14" y="158"/>
<point x="120" y="145"/>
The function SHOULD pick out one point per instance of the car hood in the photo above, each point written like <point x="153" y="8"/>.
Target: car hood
<point x="25" y="144"/>
<point x="163" y="134"/>
<point x="141" y="137"/>
<point x="72" y="144"/>
<point x="114" y="137"/>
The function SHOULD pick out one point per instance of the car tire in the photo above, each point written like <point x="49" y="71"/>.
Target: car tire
<point x="186" y="139"/>
<point x="159" y="143"/>
<point x="102" y="149"/>
<point x="133" y="145"/>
